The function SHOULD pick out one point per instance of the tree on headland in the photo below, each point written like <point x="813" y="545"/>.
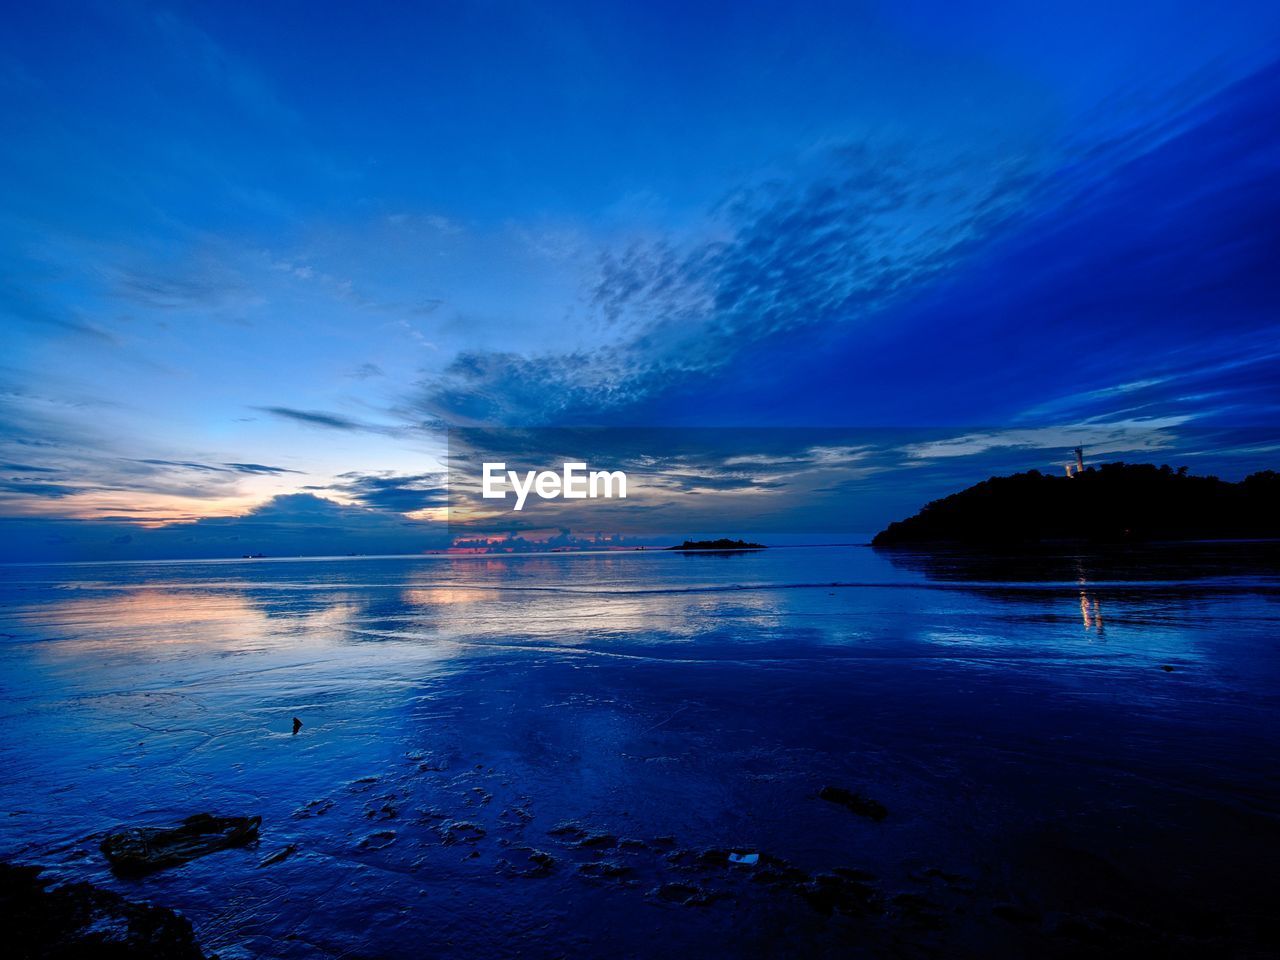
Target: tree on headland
<point x="1113" y="503"/>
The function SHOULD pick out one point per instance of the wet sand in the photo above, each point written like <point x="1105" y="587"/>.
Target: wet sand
<point x="548" y="756"/>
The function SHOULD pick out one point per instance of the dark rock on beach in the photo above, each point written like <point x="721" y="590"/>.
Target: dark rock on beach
<point x="685" y="894"/>
<point x="598" y="841"/>
<point x="605" y="870"/>
<point x="140" y="850"/>
<point x="855" y="802"/>
<point x="378" y="841"/>
<point x="279" y="856"/>
<point x="79" y="920"/>
<point x="460" y="831"/>
<point x="535" y="864"/>
<point x="829" y="893"/>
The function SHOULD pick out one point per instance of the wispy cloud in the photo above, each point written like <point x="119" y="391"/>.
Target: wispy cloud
<point x="386" y="490"/>
<point x="1128" y="437"/>
<point x="204" y="285"/>
<point x="248" y="468"/>
<point x="314" y="418"/>
<point x="25" y="306"/>
<point x="258" y="468"/>
<point x="882" y="280"/>
<point x="29" y="488"/>
<point x="828" y="248"/>
<point x="287" y="525"/>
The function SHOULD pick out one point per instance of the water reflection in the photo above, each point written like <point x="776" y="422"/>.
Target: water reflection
<point x="1090" y="611"/>
<point x="1146" y="564"/>
<point x="646" y="696"/>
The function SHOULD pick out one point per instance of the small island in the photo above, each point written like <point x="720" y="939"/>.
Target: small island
<point x="1111" y="503"/>
<point x="723" y="545"/>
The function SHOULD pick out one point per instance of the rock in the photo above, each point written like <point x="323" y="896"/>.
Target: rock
<point x="515" y="815"/>
<point x="682" y="858"/>
<point x="378" y="841"/>
<point x="918" y="912"/>
<point x="541" y="864"/>
<point x="459" y="831"/>
<point x="713" y="858"/>
<point x="575" y="835"/>
<point x="829" y="893"/>
<point x="853" y="873"/>
<point x="954" y="880"/>
<point x="1015" y="914"/>
<point x="605" y="870"/>
<point x="313" y="808"/>
<point x="363" y="784"/>
<point x="569" y="830"/>
<point x="387" y="811"/>
<point x="280" y="855"/>
<point x="79" y="920"/>
<point x="776" y="872"/>
<point x="140" y="850"/>
<point x="855" y="802"/>
<point x="598" y="841"/>
<point x="685" y="894"/>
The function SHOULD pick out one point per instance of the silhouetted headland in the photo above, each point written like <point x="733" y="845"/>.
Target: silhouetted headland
<point x="719" y="546"/>
<point x="1112" y="503"/>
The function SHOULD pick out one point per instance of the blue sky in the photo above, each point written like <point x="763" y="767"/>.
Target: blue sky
<point x="265" y="251"/>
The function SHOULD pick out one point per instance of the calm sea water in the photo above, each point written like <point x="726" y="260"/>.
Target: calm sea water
<point x="1072" y="752"/>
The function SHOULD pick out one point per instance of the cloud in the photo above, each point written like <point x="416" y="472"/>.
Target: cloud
<point x="1135" y="436"/>
<point x="878" y="286"/>
<point x="314" y="418"/>
<point x="247" y="468"/>
<point x="27" y="307"/>
<point x="84" y="465"/>
<point x="326" y="420"/>
<point x="258" y="468"/>
<point x="1234" y="377"/>
<point x="389" y="491"/>
<point x="28" y="488"/>
<point x="223" y="72"/>
<point x="192" y="285"/>
<point x="184" y="465"/>
<point x="827" y="248"/>
<point x="289" y="525"/>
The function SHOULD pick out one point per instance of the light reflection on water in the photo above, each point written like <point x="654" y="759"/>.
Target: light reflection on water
<point x="703" y="697"/>
<point x="1090" y="611"/>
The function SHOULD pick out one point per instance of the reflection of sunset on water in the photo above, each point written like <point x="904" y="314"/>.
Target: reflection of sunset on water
<point x="224" y="620"/>
<point x="559" y="684"/>
<point x="1090" y="611"/>
<point x="443" y="596"/>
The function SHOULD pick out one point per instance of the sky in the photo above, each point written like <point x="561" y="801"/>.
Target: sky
<point x="260" y="258"/>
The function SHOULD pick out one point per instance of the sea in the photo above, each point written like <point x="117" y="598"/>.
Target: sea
<point x="810" y="751"/>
